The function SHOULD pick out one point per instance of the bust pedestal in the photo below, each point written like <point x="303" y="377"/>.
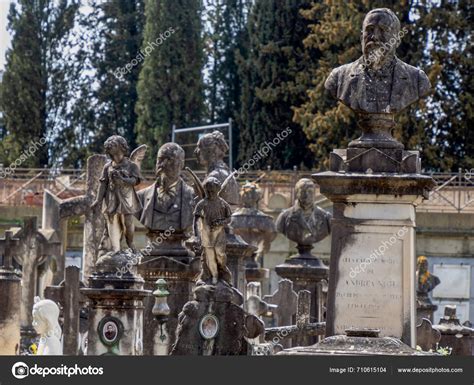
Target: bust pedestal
<point x="372" y="269"/>
<point x="306" y="271"/>
<point x="115" y="308"/>
<point x="171" y="260"/>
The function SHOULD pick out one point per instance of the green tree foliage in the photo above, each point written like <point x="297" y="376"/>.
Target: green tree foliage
<point x="170" y="86"/>
<point x="274" y="79"/>
<point x="225" y="38"/>
<point x="436" y="42"/>
<point x="107" y="62"/>
<point x="34" y="90"/>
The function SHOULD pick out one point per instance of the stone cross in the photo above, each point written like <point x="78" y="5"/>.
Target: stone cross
<point x="285" y="298"/>
<point x="7" y="245"/>
<point x="56" y="211"/>
<point x="303" y="330"/>
<point x="68" y="296"/>
<point x="30" y="248"/>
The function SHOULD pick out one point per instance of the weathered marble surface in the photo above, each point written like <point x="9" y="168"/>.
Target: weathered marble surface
<point x="45" y="321"/>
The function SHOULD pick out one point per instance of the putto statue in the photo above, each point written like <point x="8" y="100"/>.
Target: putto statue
<point x="211" y="215"/>
<point x="45" y="321"/>
<point x="210" y="151"/>
<point x="378" y="85"/>
<point x="117" y="192"/>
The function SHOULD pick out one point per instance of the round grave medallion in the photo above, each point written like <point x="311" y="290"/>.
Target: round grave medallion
<point x="209" y="326"/>
<point x="110" y="330"/>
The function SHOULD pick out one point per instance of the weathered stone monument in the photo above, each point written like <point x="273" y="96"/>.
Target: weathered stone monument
<point x="425" y="283"/>
<point x="10" y="287"/>
<point x="167" y="214"/>
<point x="57" y="211"/>
<point x="210" y="151"/>
<point x="214" y="323"/>
<point x="115" y="291"/>
<point x="305" y="223"/>
<point x="454" y="336"/>
<point x="31" y="249"/>
<point x="375" y="186"/>
<point x="68" y="296"/>
<point x="256" y="228"/>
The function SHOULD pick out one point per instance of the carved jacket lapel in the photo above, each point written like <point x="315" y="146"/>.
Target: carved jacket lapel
<point x="357" y="86"/>
<point x="402" y="89"/>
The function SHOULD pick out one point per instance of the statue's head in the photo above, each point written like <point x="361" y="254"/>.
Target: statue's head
<point x="212" y="186"/>
<point x="170" y="160"/>
<point x="305" y="190"/>
<point x="380" y="36"/>
<point x="211" y="147"/>
<point x="422" y="264"/>
<point x="45" y="316"/>
<point x="116" y="147"/>
<point x="250" y="195"/>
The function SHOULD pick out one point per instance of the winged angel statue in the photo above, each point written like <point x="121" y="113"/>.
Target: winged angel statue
<point x="117" y="193"/>
<point x="211" y="215"/>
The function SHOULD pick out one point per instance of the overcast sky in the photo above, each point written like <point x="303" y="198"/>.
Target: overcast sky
<point x="4" y="37"/>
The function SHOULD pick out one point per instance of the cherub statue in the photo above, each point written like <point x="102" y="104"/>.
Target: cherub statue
<point x="211" y="215"/>
<point x="117" y="193"/>
<point x="45" y="321"/>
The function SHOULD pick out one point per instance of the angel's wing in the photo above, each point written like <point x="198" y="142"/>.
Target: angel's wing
<point x="226" y="182"/>
<point x="138" y="155"/>
<point x="197" y="184"/>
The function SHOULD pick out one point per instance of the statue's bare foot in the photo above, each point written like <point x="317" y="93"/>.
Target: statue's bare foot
<point x="214" y="280"/>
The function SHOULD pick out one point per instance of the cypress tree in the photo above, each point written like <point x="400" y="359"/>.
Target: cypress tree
<point x="170" y="85"/>
<point x="34" y="90"/>
<point x="274" y="80"/>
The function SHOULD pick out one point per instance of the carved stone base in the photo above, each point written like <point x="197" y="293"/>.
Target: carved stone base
<point x="306" y="271"/>
<point x="256" y="274"/>
<point x="425" y="310"/>
<point x="214" y="323"/>
<point x="179" y="276"/>
<point x="115" y="314"/>
<point x="370" y="160"/>
<point x="356" y="343"/>
<point x="372" y="271"/>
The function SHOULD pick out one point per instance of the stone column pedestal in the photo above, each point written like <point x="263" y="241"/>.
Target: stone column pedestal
<point x="256" y="274"/>
<point x="237" y="251"/>
<point x="425" y="310"/>
<point x="372" y="268"/>
<point x="171" y="261"/>
<point x="10" y="287"/>
<point x="115" y="313"/>
<point x="306" y="271"/>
